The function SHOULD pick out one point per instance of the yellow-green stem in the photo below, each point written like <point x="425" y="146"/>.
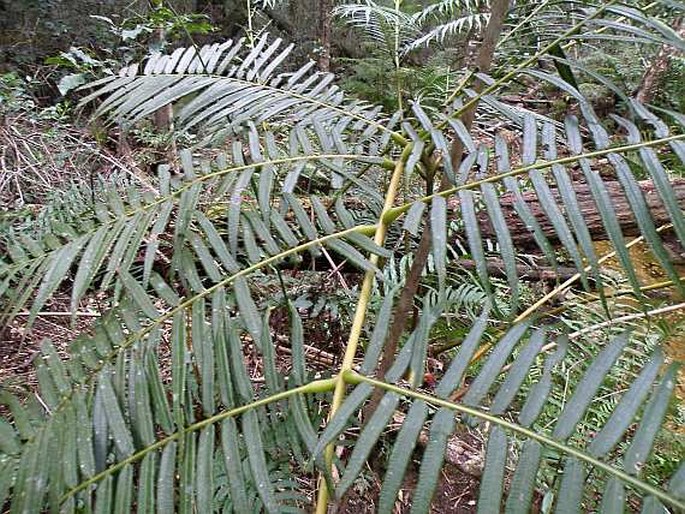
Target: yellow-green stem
<point x="358" y="322"/>
<point x="460" y="87"/>
<point x="318" y="386"/>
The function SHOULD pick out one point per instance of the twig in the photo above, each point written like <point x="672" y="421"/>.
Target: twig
<point x="336" y="268"/>
<point x="45" y="406"/>
<point x="568" y="283"/>
<point x="85" y="314"/>
<point x="316" y="354"/>
<point x="629" y="317"/>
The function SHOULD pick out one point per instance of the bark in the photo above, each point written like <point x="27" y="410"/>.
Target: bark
<point x="652" y="78"/>
<point x="495" y="266"/>
<point x="123" y="146"/>
<point x="163" y="115"/>
<point x="325" y="8"/>
<point x="523" y="237"/>
<point x="483" y="64"/>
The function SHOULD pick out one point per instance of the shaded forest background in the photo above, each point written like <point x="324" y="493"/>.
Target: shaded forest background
<point x="33" y="34"/>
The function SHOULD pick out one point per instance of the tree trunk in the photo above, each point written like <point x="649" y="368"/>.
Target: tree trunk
<point x="483" y="64"/>
<point x="325" y="7"/>
<point x="652" y="78"/>
<point x="163" y="117"/>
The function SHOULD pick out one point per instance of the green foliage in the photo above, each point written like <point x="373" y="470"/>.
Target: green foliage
<point x="376" y="80"/>
<point x="400" y="33"/>
<point x="401" y="66"/>
<point x="195" y="390"/>
<point x="14" y="94"/>
<point x="133" y="38"/>
<point x="672" y="96"/>
<point x="84" y="65"/>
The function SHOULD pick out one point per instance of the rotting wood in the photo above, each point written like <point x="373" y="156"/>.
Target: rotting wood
<point x="523" y="238"/>
<point x="524" y="241"/>
<point x="654" y="75"/>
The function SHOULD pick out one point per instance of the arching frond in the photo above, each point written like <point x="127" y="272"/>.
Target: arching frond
<point x="219" y="88"/>
<point x="389" y="26"/>
<point x="142" y="423"/>
<point x="534" y="25"/>
<point x="560" y="186"/>
<point x="444" y="31"/>
<point x="432" y="416"/>
<point x="446" y="8"/>
<point x="376" y="21"/>
<point x="132" y="235"/>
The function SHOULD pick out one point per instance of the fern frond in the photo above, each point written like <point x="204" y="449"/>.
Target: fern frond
<point x="223" y="86"/>
<point x="446" y="8"/>
<point x="375" y="21"/>
<point x="444" y="31"/>
<point x="180" y="385"/>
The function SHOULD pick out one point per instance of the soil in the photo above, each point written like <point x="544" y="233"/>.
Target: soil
<point x="457" y="490"/>
<point x="457" y="493"/>
<point x="20" y="345"/>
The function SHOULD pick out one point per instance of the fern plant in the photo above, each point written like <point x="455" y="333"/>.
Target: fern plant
<point x="155" y="407"/>
<point x="402" y="33"/>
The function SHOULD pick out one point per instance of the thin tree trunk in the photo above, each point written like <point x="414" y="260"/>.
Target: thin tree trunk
<point x="325" y="8"/>
<point x="483" y="64"/>
<point x="652" y="78"/>
<point x="163" y="117"/>
<point x="123" y="147"/>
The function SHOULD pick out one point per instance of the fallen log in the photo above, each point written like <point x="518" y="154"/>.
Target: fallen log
<point x="522" y="235"/>
<point x="535" y="273"/>
<point x="523" y="238"/>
